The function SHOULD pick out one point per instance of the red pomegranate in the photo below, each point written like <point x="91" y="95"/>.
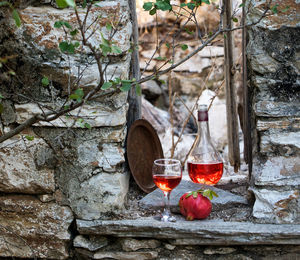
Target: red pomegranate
<point x="195" y="204"/>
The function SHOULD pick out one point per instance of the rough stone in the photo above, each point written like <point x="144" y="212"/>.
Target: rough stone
<point x="277" y="109"/>
<point x="283" y="143"/>
<point x="119" y="255"/>
<point x="32" y="228"/>
<point x="46" y="198"/>
<point x="219" y="251"/>
<point x="101" y="194"/>
<point x="274" y="206"/>
<point x="154" y="200"/>
<point x="92" y="243"/>
<point x="277" y="171"/>
<point x="170" y="247"/>
<point x="96" y="115"/>
<point x="283" y="124"/>
<point x="131" y="244"/>
<point x="8" y="115"/>
<point x="24" y="168"/>
<point x="151" y="90"/>
<point x="197" y="232"/>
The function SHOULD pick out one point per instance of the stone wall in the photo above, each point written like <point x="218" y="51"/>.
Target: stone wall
<point x="273" y="56"/>
<point x="55" y="172"/>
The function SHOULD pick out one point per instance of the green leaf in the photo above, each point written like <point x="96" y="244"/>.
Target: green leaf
<point x="160" y="58"/>
<point x="163" y="5"/>
<point x="45" y="81"/>
<point x="191" y="6"/>
<point x="225" y="36"/>
<point x="188" y="31"/>
<point x="84" y="4"/>
<point x="108" y="26"/>
<point x="195" y="194"/>
<point x="138" y="89"/>
<point x="105" y="49"/>
<point x="116" y="49"/>
<point x="242" y="5"/>
<point x="29" y="137"/>
<point x="153" y="11"/>
<point x="274" y="9"/>
<point x="63" y="46"/>
<point x="106" y="85"/>
<point x="148" y="6"/>
<point x="58" y="24"/>
<point x="73" y="97"/>
<point x="235" y="19"/>
<point x="76" y="44"/>
<point x="70" y="3"/>
<point x="206" y="2"/>
<point x="16" y="17"/>
<point x="61" y="3"/>
<point x="117" y="80"/>
<point x="188" y="195"/>
<point x="168" y="45"/>
<point x="285" y="9"/>
<point x="184" y="47"/>
<point x="1" y="96"/>
<point x="79" y="93"/>
<point x="74" y="32"/>
<point x="125" y="85"/>
<point x="87" y="125"/>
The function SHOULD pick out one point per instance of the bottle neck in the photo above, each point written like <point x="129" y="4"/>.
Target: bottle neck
<point x="203" y="132"/>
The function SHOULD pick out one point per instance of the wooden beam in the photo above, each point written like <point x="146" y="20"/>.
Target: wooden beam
<point x="231" y="103"/>
<point x="134" y="101"/>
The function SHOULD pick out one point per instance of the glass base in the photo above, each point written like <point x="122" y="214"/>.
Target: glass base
<point x="167" y="218"/>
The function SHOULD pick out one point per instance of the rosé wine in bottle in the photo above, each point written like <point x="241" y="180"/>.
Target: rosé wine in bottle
<point x="205" y="164"/>
<point x="165" y="182"/>
<point x="209" y="173"/>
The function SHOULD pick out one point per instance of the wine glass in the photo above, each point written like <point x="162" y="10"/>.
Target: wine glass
<point x="166" y="176"/>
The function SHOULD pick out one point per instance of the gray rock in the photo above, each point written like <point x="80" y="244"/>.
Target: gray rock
<point x="119" y="255"/>
<point x="197" y="232"/>
<point x="96" y="115"/>
<point x="18" y="169"/>
<point x="226" y="199"/>
<point x="170" y="247"/>
<point x="131" y="244"/>
<point x="272" y="206"/>
<point x="277" y="171"/>
<point x="277" y="109"/>
<point x="46" y="198"/>
<point x="219" y="250"/>
<point x="151" y="90"/>
<point x="8" y="115"/>
<point x="91" y="243"/>
<point x="32" y="228"/>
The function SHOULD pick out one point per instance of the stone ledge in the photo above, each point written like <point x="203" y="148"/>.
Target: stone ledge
<point x="204" y="232"/>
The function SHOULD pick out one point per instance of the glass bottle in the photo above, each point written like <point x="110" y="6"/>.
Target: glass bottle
<point x="205" y="164"/>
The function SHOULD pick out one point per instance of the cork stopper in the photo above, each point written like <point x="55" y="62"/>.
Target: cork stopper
<point x="202" y="113"/>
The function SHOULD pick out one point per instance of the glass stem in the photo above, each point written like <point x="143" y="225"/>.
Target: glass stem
<point x="167" y="203"/>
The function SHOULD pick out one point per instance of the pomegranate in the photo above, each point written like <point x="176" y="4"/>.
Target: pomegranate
<point x="195" y="204"/>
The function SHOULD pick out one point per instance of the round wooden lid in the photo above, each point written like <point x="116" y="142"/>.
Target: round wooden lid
<point x="143" y="147"/>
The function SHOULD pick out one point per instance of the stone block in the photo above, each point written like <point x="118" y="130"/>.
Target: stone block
<point x="226" y="199"/>
<point x="285" y="143"/>
<point x="277" y="171"/>
<point x="131" y="244"/>
<point x="26" y="166"/>
<point x="281" y="124"/>
<point x="277" y="109"/>
<point x="119" y="255"/>
<point x="91" y="243"/>
<point x="32" y="228"/>
<point x="276" y="206"/>
<point x="101" y="194"/>
<point x="96" y="115"/>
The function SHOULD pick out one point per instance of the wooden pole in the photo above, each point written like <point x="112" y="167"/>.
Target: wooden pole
<point x="231" y="104"/>
<point x="134" y="101"/>
<point x="246" y="100"/>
